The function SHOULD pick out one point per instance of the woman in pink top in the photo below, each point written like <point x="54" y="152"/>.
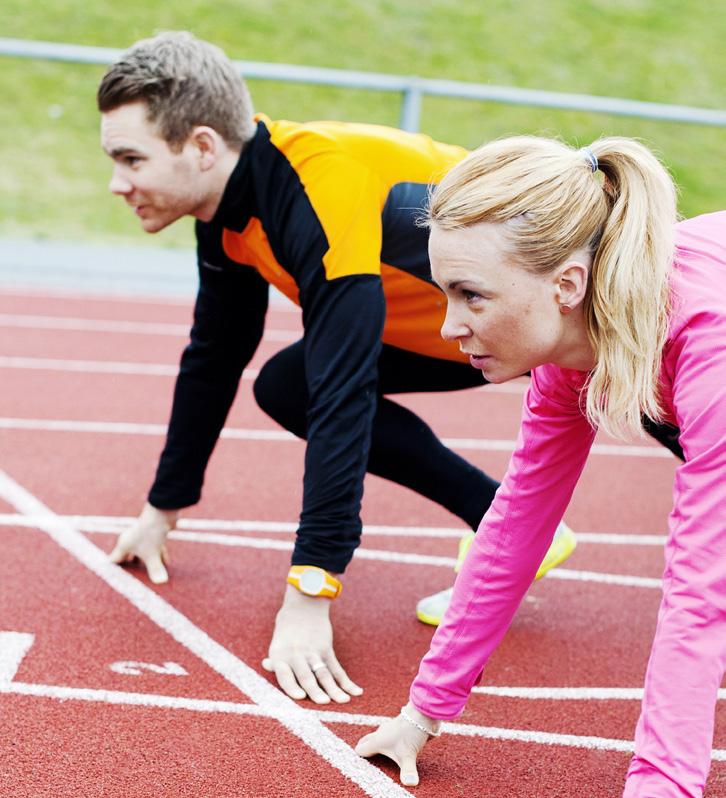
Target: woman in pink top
<point x="569" y="264"/>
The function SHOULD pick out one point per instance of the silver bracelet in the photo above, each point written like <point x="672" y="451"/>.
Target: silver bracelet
<point x="418" y="725"/>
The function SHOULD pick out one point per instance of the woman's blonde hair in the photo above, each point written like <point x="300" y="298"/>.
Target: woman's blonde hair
<point x="551" y="204"/>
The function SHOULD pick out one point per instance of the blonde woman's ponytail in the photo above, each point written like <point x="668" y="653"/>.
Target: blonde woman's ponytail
<point x="628" y="302"/>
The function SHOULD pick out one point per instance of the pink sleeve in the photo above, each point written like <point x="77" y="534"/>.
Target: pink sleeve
<point x="686" y="666"/>
<point x="512" y="540"/>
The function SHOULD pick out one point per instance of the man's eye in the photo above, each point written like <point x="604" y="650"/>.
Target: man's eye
<point x="470" y="296"/>
<point x="131" y="160"/>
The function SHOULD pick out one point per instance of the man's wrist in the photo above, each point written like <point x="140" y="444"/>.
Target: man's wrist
<point x="169" y="516"/>
<point x="313" y="581"/>
<point x="295" y="600"/>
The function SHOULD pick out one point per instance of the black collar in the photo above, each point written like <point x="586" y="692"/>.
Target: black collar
<point x="239" y="201"/>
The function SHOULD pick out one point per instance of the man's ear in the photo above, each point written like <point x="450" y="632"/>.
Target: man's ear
<point x="572" y="279"/>
<point x="207" y="144"/>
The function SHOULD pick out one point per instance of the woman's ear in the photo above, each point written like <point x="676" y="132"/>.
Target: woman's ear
<point x="572" y="278"/>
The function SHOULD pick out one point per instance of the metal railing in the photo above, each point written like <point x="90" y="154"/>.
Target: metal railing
<point x="412" y="88"/>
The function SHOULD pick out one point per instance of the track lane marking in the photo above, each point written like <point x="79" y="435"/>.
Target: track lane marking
<point x="40" y="322"/>
<point x="279" y="303"/>
<point x="13" y="648"/>
<point x="115" y="523"/>
<point x="99" y="367"/>
<point x="167" y="369"/>
<point x="151" y="700"/>
<point x="295" y="719"/>
<point x="570" y="693"/>
<point x="131" y="428"/>
<point x="379" y="555"/>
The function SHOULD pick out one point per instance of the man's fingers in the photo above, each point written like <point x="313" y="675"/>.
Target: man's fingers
<point x="120" y="554"/>
<point x="327" y="682"/>
<point x="286" y="679"/>
<point x="165" y="555"/>
<point x="308" y="681"/>
<point x="156" y="570"/>
<point x="340" y="676"/>
<point x="409" y="773"/>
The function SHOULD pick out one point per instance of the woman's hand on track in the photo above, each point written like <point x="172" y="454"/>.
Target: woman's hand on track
<point x="401" y="741"/>
<point x="145" y="539"/>
<point x="301" y="652"/>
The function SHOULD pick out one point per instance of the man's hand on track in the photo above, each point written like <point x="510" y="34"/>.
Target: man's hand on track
<point x="301" y="652"/>
<point x="145" y="539"/>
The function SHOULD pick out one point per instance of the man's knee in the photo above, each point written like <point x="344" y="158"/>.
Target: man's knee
<point x="281" y="395"/>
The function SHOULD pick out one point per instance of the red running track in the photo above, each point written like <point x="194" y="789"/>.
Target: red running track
<point x="112" y="687"/>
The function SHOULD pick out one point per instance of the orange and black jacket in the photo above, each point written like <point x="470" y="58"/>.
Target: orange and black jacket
<point x="327" y="212"/>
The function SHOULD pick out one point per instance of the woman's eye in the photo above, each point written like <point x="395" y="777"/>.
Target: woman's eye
<point x="131" y="160"/>
<point x="470" y="296"/>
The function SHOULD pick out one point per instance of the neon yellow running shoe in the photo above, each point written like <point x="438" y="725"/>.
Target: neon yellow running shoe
<point x="431" y="609"/>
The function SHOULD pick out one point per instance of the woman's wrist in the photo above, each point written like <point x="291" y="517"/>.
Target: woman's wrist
<point x="413" y="716"/>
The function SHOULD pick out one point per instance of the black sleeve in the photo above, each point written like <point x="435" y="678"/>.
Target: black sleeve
<point x="343" y="327"/>
<point x="229" y="319"/>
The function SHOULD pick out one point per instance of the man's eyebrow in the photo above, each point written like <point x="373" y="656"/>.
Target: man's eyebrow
<point x="119" y="152"/>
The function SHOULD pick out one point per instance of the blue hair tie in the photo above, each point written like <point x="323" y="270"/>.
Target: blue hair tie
<point x="590" y="157"/>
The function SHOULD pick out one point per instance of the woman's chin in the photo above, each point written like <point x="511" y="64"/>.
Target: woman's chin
<point x="496" y="376"/>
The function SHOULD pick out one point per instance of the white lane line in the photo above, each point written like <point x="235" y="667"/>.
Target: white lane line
<point x="99" y="367"/>
<point x="13" y="647"/>
<point x="164" y="370"/>
<point x="611" y="449"/>
<point x="514" y="735"/>
<point x="133" y="699"/>
<point x="322" y="715"/>
<point x="620" y="539"/>
<point x="114" y="523"/>
<point x="239" y="541"/>
<point x="605" y="579"/>
<point x="320" y="739"/>
<point x="98" y="522"/>
<point x="379" y="555"/>
<point x="571" y="693"/>
<point x="125" y="428"/>
<point x="26" y="321"/>
<point x="279" y="303"/>
<point x="130" y="428"/>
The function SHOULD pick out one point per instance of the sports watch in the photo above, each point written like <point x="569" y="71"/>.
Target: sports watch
<point x="314" y="581"/>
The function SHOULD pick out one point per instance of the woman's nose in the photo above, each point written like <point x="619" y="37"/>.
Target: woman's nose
<point x="453" y="328"/>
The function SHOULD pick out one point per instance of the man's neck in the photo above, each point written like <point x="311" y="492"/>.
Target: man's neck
<point x="218" y="179"/>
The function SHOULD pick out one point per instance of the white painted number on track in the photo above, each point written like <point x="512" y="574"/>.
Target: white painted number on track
<point x="13" y="647"/>
<point x="130" y="668"/>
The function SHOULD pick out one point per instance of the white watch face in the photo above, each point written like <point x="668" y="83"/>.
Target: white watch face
<point x="312" y="582"/>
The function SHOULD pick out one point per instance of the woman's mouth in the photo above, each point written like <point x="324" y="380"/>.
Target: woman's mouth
<point x="479" y="361"/>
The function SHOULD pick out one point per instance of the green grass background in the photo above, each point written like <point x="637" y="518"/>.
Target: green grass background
<point x="53" y="178"/>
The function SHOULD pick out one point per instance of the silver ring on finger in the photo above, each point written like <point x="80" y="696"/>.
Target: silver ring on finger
<point x="316" y="668"/>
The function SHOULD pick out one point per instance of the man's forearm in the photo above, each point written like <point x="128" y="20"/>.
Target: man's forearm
<point x="198" y="415"/>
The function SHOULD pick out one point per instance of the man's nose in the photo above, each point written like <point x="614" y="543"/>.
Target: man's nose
<point x="119" y="184"/>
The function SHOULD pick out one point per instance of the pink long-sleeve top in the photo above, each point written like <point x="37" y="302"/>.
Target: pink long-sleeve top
<point x="551" y="450"/>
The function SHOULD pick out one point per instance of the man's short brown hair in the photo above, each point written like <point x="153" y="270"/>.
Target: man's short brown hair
<point x="184" y="82"/>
